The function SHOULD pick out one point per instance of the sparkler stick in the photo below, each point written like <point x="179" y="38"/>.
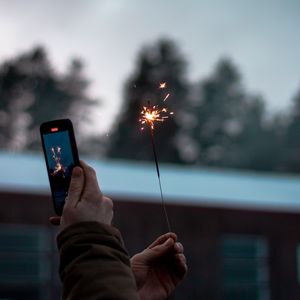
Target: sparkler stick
<point x="150" y="115"/>
<point x="159" y="181"/>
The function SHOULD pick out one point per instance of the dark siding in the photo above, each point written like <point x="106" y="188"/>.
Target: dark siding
<point x="200" y="229"/>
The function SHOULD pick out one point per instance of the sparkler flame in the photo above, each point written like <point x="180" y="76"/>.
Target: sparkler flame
<point x="152" y="114"/>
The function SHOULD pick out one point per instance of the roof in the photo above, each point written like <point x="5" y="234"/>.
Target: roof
<point x="181" y="185"/>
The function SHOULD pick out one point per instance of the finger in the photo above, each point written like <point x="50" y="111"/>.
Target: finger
<point x="55" y="220"/>
<point x="108" y="205"/>
<point x="163" y="238"/>
<point x="178" y="247"/>
<point x="181" y="268"/>
<point x="180" y="258"/>
<point x="157" y="252"/>
<point x="76" y="187"/>
<point x="162" y="249"/>
<point x="158" y="249"/>
<point x="108" y="201"/>
<point x="91" y="183"/>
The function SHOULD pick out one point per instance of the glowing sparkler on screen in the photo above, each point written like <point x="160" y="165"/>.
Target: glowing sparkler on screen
<point x="56" y="156"/>
<point x="150" y="115"/>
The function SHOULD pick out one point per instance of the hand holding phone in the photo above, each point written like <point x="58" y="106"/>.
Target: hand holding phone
<point x="85" y="202"/>
<point x="61" y="155"/>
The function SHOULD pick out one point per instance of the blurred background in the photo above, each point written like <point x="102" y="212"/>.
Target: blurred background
<point x="230" y="154"/>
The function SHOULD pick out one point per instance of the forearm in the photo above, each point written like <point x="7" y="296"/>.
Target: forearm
<point x="94" y="264"/>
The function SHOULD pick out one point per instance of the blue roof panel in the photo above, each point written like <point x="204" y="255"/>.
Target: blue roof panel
<point x="182" y="185"/>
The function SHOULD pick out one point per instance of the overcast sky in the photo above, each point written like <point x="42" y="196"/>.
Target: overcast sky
<point x="261" y="36"/>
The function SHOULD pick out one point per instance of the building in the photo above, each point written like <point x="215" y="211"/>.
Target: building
<point x="240" y="230"/>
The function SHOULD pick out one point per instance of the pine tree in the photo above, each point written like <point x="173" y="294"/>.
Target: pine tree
<point x="159" y="63"/>
<point x="31" y="92"/>
<point x="230" y="129"/>
<point x="291" y="159"/>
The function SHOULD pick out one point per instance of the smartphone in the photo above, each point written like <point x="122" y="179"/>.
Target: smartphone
<point x="61" y="155"/>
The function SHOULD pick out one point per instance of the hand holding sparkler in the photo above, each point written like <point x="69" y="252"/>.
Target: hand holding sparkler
<point x="159" y="268"/>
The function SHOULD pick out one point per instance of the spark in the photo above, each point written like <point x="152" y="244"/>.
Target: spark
<point x="152" y="114"/>
<point x="162" y="85"/>
<point x="167" y="96"/>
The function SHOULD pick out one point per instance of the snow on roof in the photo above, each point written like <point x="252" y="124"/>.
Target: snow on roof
<point x="181" y="185"/>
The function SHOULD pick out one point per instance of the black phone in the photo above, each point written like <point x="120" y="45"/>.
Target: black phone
<point x="61" y="155"/>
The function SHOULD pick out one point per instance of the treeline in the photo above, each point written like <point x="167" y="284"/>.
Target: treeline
<point x="32" y="91"/>
<point x="216" y="121"/>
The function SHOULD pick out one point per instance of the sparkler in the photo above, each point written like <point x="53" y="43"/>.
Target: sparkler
<point x="149" y="116"/>
<point x="56" y="156"/>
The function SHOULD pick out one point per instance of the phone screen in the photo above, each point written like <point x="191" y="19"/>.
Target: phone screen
<point x="60" y="163"/>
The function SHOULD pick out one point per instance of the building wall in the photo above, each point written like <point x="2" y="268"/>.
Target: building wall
<point x="232" y="254"/>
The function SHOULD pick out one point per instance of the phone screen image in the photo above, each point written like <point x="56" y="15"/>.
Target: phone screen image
<point x="60" y="163"/>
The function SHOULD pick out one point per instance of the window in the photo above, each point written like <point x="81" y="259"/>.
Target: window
<point x="298" y="263"/>
<point x="244" y="268"/>
<point x="25" y="262"/>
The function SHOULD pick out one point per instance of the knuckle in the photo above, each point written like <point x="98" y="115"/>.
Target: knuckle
<point x="91" y="170"/>
<point x="111" y="215"/>
<point x="74" y="188"/>
<point x="108" y="202"/>
<point x="67" y="210"/>
<point x="91" y="194"/>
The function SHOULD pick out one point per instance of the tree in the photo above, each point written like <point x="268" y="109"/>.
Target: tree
<point x="159" y="63"/>
<point x="291" y="141"/>
<point x="31" y="92"/>
<point x="258" y="139"/>
<point x="230" y="129"/>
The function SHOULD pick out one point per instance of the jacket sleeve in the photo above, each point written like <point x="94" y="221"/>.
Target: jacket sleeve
<point x="94" y="263"/>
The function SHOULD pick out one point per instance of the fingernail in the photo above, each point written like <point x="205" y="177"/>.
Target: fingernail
<point x="76" y="172"/>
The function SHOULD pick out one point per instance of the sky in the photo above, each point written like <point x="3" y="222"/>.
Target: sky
<point x="261" y="36"/>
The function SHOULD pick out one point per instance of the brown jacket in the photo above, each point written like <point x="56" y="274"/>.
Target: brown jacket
<point x="94" y="263"/>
